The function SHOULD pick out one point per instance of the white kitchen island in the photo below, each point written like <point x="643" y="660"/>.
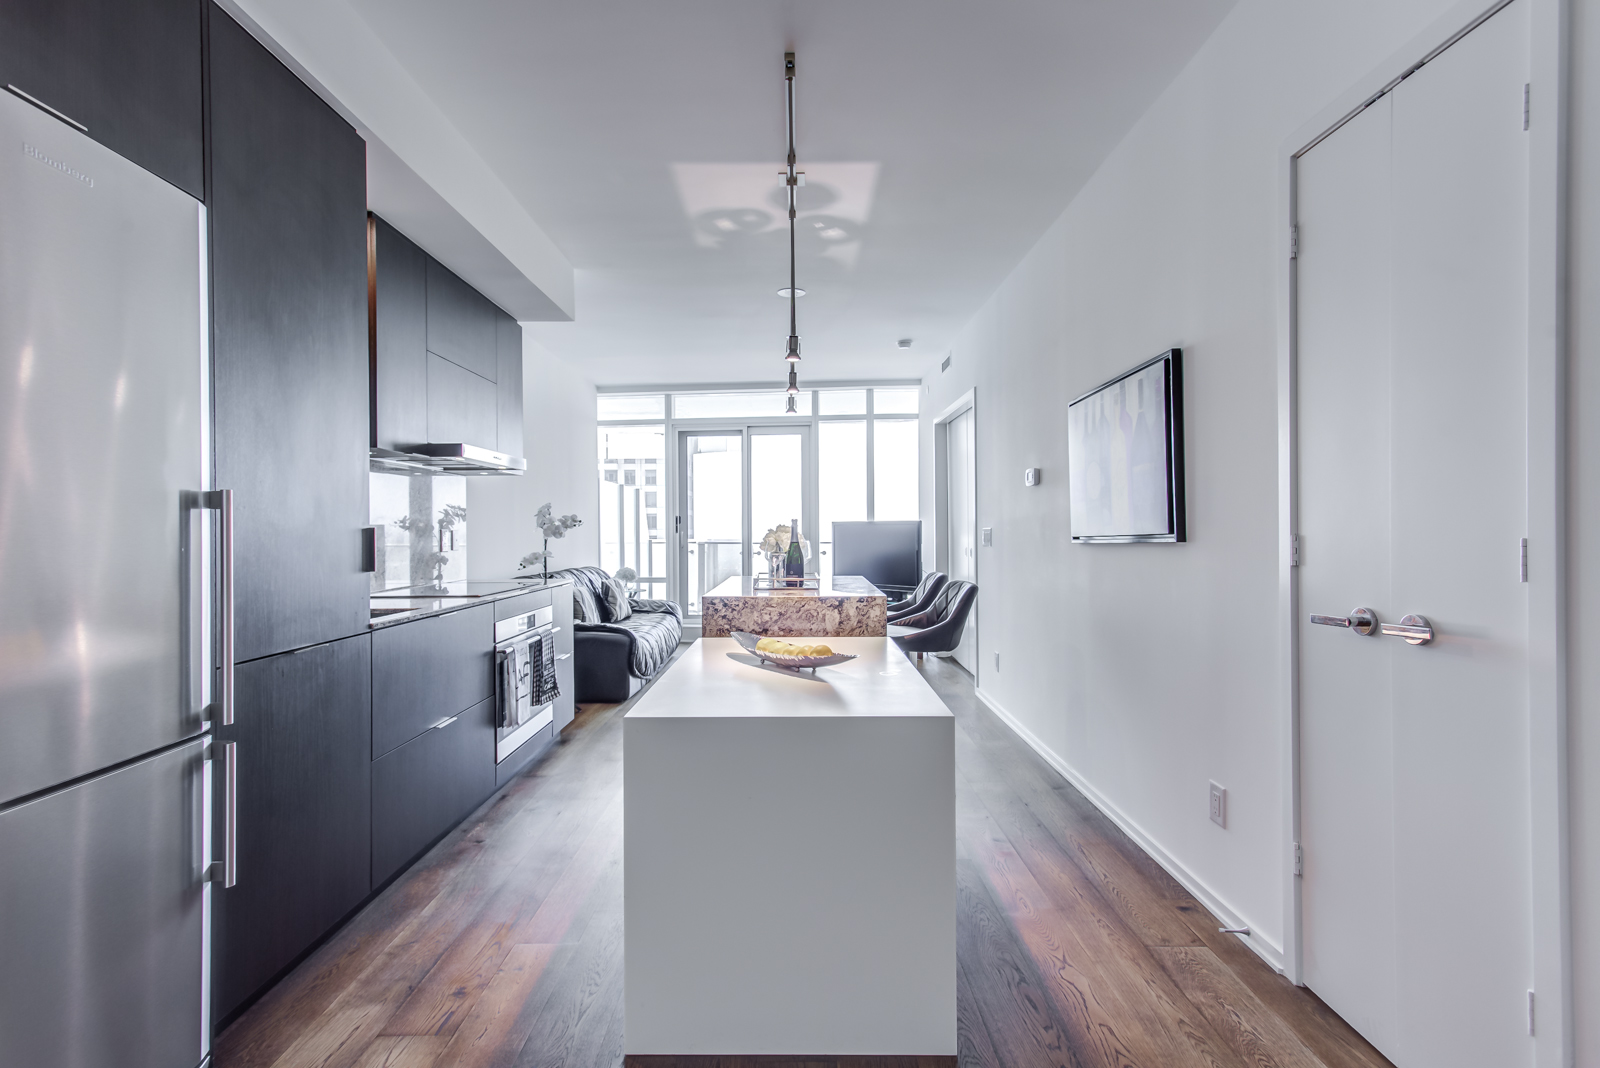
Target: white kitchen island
<point x="789" y="858"/>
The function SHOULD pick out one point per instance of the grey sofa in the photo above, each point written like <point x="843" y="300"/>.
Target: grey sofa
<point x="613" y="658"/>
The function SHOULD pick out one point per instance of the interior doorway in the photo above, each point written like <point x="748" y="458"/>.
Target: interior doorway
<point x="1411" y="351"/>
<point x="955" y="476"/>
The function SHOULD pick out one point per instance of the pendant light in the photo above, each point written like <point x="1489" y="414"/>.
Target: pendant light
<point x="793" y="179"/>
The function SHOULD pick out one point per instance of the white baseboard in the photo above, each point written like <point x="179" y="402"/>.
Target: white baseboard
<point x="1266" y="950"/>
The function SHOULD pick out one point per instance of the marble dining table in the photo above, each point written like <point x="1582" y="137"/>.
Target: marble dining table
<point x="846" y="606"/>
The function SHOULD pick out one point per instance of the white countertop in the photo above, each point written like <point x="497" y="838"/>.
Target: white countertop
<point x="715" y="678"/>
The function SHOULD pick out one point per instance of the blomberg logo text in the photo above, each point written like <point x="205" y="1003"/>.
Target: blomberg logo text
<point x="58" y="165"/>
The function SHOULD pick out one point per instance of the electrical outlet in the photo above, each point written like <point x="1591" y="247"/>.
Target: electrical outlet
<point x="1219" y="805"/>
<point x="997" y="661"/>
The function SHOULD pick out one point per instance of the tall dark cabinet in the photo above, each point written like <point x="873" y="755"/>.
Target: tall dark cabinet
<point x="127" y="72"/>
<point x="304" y="731"/>
<point x="286" y="189"/>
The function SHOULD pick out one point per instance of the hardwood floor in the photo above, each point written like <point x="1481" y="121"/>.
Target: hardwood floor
<point x="503" y="946"/>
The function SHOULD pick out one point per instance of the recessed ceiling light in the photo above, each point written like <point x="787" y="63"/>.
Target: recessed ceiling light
<point x="784" y="292"/>
<point x="904" y="343"/>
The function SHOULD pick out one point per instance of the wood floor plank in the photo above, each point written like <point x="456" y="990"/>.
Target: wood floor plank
<point x="445" y="996"/>
<point x="402" y="1051"/>
<point x="974" y="1047"/>
<point x="1257" y="1034"/>
<point x="1009" y="995"/>
<point x="497" y="1025"/>
<point x="1337" y="1044"/>
<point x="1119" y="1006"/>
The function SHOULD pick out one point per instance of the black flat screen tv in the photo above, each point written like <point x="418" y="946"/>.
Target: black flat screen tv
<point x="887" y="553"/>
<point x="1125" y="455"/>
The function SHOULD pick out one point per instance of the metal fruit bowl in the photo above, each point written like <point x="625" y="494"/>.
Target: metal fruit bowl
<point x="748" y="641"/>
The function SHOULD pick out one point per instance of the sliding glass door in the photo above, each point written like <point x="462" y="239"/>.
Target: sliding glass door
<point x="736" y="483"/>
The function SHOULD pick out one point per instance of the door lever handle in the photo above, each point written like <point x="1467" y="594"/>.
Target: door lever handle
<point x="1361" y="620"/>
<point x="1416" y="630"/>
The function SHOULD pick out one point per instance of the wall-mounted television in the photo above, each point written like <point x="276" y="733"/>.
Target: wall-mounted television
<point x="1125" y="455"/>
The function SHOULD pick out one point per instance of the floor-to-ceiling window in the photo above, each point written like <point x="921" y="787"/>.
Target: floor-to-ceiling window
<point x="689" y="482"/>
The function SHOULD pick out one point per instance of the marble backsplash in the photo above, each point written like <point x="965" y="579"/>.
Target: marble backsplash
<point x="421" y="523"/>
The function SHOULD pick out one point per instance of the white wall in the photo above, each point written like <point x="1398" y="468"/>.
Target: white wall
<point x="558" y="428"/>
<point x="1149" y="670"/>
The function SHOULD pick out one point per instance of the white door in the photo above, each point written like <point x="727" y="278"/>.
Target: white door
<point x="1412" y="362"/>
<point x="962" y="513"/>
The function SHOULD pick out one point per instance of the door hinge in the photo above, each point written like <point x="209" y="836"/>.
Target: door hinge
<point x="1294" y="550"/>
<point x="1527" y="92"/>
<point x="1299" y="860"/>
<point x="1530" y="1013"/>
<point x="1294" y="241"/>
<point x="677" y="524"/>
<point x="1522" y="568"/>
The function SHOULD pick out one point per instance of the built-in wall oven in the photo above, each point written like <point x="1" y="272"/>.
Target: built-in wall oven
<point x="525" y="663"/>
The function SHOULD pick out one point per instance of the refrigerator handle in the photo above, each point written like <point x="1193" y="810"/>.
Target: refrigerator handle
<point x="222" y="501"/>
<point x="226" y="871"/>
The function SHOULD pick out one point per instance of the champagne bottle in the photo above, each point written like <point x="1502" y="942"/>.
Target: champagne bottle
<point x="794" y="565"/>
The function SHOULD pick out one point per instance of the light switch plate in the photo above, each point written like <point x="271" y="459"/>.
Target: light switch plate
<point x="988" y="536"/>
<point x="1030" y="476"/>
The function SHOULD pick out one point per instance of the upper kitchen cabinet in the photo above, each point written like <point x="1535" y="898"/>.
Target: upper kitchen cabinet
<point x="287" y="206"/>
<point x="461" y="322"/>
<point x="129" y="73"/>
<point x="446" y="365"/>
<point x="397" y="272"/>
<point x="508" y="337"/>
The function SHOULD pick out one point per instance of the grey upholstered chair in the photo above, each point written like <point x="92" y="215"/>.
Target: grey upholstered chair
<point x="921" y="598"/>
<point x="937" y="630"/>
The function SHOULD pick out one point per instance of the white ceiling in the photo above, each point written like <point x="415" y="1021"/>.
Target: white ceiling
<point x="940" y="139"/>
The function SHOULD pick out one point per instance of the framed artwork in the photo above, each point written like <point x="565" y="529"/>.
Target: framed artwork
<point x="1125" y="455"/>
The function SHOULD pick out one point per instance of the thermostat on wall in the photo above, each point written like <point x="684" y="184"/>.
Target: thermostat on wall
<point x="1030" y="477"/>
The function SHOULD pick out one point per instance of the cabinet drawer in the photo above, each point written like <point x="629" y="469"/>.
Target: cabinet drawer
<point x="515" y="606"/>
<point x="428" y="785"/>
<point x="461" y="405"/>
<point x="427" y="670"/>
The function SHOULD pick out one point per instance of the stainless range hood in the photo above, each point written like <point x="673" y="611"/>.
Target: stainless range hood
<point x="456" y="458"/>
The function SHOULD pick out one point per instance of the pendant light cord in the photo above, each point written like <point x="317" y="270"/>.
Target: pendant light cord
<point x="793" y="179"/>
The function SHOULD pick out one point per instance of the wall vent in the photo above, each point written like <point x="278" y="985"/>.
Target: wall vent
<point x="944" y="365"/>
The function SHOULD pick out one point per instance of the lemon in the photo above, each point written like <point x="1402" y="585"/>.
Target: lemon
<point x="821" y="650"/>
<point x="765" y="645"/>
<point x="804" y="650"/>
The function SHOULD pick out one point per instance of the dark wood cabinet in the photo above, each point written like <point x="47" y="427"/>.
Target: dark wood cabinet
<point x="129" y="72"/>
<point x="426" y="786"/>
<point x="397" y="274"/>
<point x="428" y="669"/>
<point x="462" y="406"/>
<point x="461" y="322"/>
<point x="303" y="728"/>
<point x="508" y="384"/>
<point x="287" y="202"/>
<point x="446" y="363"/>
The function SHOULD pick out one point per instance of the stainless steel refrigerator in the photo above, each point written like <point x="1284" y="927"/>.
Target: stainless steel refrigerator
<point x="106" y="607"/>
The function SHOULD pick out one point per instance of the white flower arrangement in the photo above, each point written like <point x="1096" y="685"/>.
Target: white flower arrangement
<point x="552" y="526"/>
<point x="776" y="540"/>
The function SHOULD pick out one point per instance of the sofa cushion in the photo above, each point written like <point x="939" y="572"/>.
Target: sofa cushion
<point x="592" y="581"/>
<point x="585" y="609"/>
<point x="617" y="605"/>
